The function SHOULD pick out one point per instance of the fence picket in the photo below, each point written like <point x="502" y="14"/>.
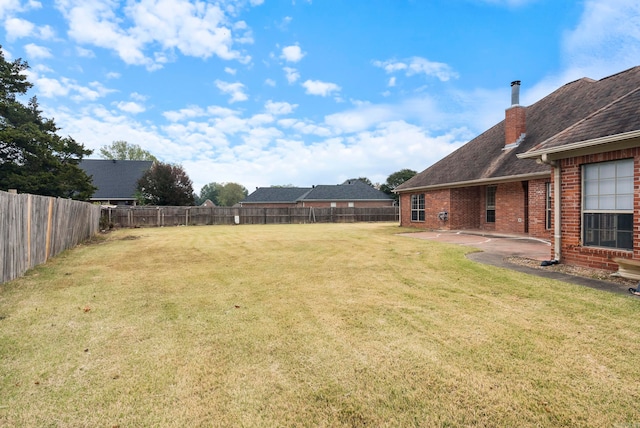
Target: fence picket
<point x="34" y="228"/>
<point x="145" y="216"/>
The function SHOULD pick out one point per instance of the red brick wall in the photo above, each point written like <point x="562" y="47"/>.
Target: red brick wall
<point x="435" y="202"/>
<point x="572" y="251"/>
<point x="467" y="209"/>
<point x="537" y="206"/>
<point x="465" y="212"/>
<point x="515" y="124"/>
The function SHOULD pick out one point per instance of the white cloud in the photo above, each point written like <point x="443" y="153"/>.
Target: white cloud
<point x="270" y="82"/>
<point x="606" y="39"/>
<point x="85" y="53"/>
<point x="279" y="108"/>
<point x="236" y="90"/>
<point x="291" y="74"/>
<point x="194" y="29"/>
<point x="292" y="53"/>
<point x="17" y="28"/>
<point x="185" y="113"/>
<point x="64" y="87"/>
<point x="7" y="7"/>
<point x="392" y="82"/>
<point x="37" y="52"/>
<point x="231" y="71"/>
<point x="130" y="107"/>
<point x="317" y="87"/>
<point x="418" y="65"/>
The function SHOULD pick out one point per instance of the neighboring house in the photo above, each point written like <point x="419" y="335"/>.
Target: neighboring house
<point x="350" y="194"/>
<point x="116" y="180"/>
<point x="566" y="168"/>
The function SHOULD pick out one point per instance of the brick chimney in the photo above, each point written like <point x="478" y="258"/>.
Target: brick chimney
<point x="515" y="123"/>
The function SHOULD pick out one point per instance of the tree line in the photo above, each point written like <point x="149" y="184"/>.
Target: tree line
<point x="35" y="159"/>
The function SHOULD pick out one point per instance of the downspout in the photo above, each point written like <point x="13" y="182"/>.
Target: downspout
<point x="557" y="235"/>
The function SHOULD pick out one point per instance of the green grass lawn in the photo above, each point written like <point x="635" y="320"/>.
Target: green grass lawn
<point x="308" y="325"/>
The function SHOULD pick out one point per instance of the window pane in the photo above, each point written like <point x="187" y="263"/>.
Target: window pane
<point x="591" y="172"/>
<point x="591" y="188"/>
<point x="607" y="170"/>
<point x="625" y="168"/>
<point x="624" y="202"/>
<point x="624" y="185"/>
<point x="607" y="187"/>
<point x="607" y="203"/>
<point x="608" y="230"/>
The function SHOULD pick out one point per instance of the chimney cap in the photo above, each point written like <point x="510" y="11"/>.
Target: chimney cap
<point x="515" y="82"/>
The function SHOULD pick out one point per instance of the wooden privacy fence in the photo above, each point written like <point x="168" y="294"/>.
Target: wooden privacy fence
<point x="189" y="216"/>
<point x="36" y="228"/>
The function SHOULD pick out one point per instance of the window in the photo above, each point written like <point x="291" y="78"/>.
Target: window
<point x="351" y="205"/>
<point x="334" y="204"/>
<point x="548" y="206"/>
<point x="607" y="204"/>
<point x="491" y="204"/>
<point x="417" y="207"/>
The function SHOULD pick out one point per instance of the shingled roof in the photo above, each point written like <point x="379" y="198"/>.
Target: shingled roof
<point x="115" y="179"/>
<point x="276" y="195"/>
<point x="351" y="190"/>
<point x="582" y="109"/>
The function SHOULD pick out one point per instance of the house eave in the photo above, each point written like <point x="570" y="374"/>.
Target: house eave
<point x="479" y="182"/>
<point x="596" y="145"/>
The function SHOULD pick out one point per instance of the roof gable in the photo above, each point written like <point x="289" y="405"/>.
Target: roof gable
<point x="115" y="179"/>
<point x="484" y="157"/>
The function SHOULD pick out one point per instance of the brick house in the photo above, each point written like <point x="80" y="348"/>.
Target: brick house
<point x="581" y="142"/>
<point x="350" y="194"/>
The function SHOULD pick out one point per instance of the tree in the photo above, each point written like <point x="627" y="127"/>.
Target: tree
<point x="165" y="184"/>
<point x="223" y="194"/>
<point x="230" y="194"/>
<point x="365" y="180"/>
<point x="33" y="157"/>
<point x="121" y="150"/>
<point x="396" y="179"/>
<point x="209" y="191"/>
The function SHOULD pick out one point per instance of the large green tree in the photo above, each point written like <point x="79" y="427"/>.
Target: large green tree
<point x="209" y="191"/>
<point x="165" y="184"/>
<point x="33" y="157"/>
<point x="230" y="194"/>
<point x="121" y="150"/>
<point x="223" y="194"/>
<point x="396" y="179"/>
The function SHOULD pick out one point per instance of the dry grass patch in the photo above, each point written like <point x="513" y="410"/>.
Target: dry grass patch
<point x="307" y="325"/>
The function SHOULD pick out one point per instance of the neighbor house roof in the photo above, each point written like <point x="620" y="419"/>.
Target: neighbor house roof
<point x="351" y="190"/>
<point x="276" y="195"/>
<point x="115" y="179"/>
<point x="577" y="110"/>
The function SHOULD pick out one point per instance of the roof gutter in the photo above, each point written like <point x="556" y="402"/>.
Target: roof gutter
<point x="613" y="142"/>
<point x="477" y="182"/>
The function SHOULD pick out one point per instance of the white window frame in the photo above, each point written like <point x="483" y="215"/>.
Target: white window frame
<point x="607" y="204"/>
<point x="490" y="208"/>
<point x="417" y="207"/>
<point x="548" y="214"/>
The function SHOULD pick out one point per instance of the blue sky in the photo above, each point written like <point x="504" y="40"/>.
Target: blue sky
<point x="304" y="92"/>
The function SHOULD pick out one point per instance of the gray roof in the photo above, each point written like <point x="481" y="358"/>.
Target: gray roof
<point x="562" y="111"/>
<point x="352" y="190"/>
<point x="276" y="195"/>
<point x="115" y="179"/>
